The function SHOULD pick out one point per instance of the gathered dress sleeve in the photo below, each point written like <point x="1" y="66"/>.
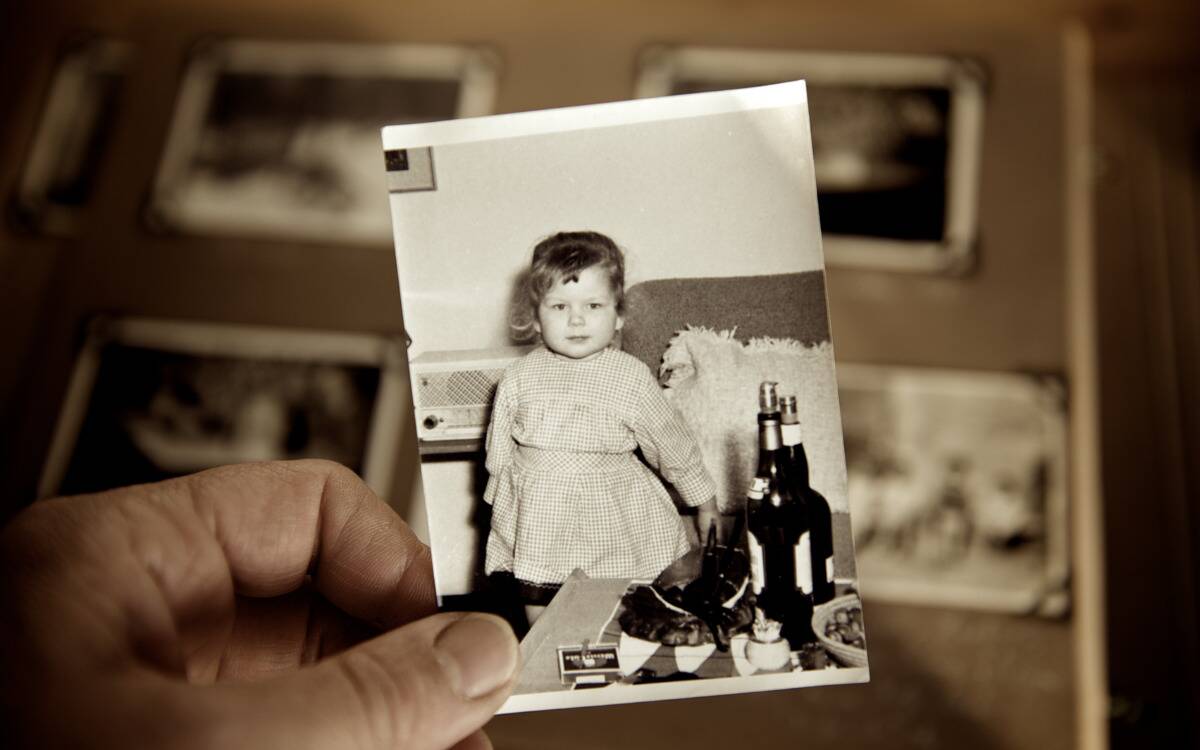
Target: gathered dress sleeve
<point x="500" y="436"/>
<point x="668" y="445"/>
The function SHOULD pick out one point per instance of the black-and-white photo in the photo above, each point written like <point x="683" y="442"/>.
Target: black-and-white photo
<point x="281" y="139"/>
<point x="958" y="486"/>
<point x="896" y="144"/>
<point x="153" y="399"/>
<point x="627" y="415"/>
<point x="59" y="173"/>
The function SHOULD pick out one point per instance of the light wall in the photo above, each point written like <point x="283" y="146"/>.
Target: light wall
<point x="720" y="195"/>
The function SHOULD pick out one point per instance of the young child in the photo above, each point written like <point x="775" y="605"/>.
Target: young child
<point x="565" y="486"/>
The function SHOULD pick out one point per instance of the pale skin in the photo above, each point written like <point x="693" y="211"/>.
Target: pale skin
<point x="579" y="319"/>
<point x="259" y="605"/>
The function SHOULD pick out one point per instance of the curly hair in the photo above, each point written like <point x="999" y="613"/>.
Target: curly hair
<point x="562" y="257"/>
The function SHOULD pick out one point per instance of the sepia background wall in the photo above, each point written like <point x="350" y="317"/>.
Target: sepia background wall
<point x="940" y="678"/>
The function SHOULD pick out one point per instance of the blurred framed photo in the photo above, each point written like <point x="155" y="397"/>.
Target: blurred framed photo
<point x="152" y="399"/>
<point x="281" y="139"/>
<point x="60" y="171"/>
<point x="958" y="486"/>
<point x="896" y="144"/>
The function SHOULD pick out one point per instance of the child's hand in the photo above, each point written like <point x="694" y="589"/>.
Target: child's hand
<point x="707" y="516"/>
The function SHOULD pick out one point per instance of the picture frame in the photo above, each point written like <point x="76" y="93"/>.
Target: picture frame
<point x="715" y="285"/>
<point x="958" y="486"/>
<point x="150" y="399"/>
<point x="897" y="144"/>
<point x="280" y="139"/>
<point x="60" y="170"/>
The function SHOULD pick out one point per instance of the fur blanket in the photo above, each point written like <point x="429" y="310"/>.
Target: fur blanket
<point x="712" y="378"/>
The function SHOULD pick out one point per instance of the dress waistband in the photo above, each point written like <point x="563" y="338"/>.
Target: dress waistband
<point x="529" y="458"/>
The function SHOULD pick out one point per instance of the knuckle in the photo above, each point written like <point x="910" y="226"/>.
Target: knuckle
<point x="332" y="469"/>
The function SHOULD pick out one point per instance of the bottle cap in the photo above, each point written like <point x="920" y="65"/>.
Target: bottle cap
<point x="787" y="407"/>
<point x="768" y="397"/>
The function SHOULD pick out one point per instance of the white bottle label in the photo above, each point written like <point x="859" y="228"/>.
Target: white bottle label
<point x="757" y="573"/>
<point x="757" y="488"/>
<point x="803" y="556"/>
<point x="791" y="434"/>
<point x="829" y="569"/>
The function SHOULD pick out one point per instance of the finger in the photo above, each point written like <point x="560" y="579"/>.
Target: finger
<point x="157" y="565"/>
<point x="283" y="633"/>
<point x="425" y="686"/>
<point x="275" y="522"/>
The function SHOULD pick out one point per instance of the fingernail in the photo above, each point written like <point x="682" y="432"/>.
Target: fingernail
<point x="479" y="654"/>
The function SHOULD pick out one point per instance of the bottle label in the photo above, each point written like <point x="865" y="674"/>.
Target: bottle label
<point x="829" y="569"/>
<point x="803" y="556"/>
<point x="758" y="488"/>
<point x="757" y="572"/>
<point x="791" y="434"/>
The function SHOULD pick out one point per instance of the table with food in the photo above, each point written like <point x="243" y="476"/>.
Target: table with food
<point x="765" y="602"/>
<point x="670" y="630"/>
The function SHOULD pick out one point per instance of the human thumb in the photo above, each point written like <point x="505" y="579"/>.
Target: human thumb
<point x="424" y="686"/>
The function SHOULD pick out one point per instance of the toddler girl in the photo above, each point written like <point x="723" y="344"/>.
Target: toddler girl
<point x="565" y="486"/>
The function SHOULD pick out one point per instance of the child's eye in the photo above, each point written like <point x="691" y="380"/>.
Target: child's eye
<point x="596" y="305"/>
<point x="558" y="306"/>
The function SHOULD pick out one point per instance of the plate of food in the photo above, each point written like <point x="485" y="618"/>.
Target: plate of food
<point x="682" y="623"/>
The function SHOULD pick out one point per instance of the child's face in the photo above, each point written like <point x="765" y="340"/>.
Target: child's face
<point x="579" y="318"/>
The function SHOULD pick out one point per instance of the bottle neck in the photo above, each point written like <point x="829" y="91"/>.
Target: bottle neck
<point x="772" y="459"/>
<point x="770" y="437"/>
<point x="791" y="440"/>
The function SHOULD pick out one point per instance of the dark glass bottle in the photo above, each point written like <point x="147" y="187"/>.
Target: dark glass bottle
<point x="778" y="536"/>
<point x="820" y="519"/>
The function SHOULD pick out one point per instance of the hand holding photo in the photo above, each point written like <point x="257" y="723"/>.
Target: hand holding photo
<point x="627" y="409"/>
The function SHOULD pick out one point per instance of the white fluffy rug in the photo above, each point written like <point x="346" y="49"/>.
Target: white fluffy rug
<point x="713" y="379"/>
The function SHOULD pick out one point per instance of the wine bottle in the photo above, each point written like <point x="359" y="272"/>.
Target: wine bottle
<point x="820" y="519"/>
<point x="777" y="537"/>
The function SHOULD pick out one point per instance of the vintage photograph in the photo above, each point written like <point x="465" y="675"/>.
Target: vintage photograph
<point x="152" y="399"/>
<point x="59" y="173"/>
<point x="627" y="415"/>
<point x="957" y="482"/>
<point x="896" y="144"/>
<point x="281" y="139"/>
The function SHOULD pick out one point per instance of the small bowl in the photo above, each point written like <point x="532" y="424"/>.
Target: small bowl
<point x="843" y="653"/>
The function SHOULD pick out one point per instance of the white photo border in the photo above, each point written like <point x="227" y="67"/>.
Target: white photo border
<point x="660" y="66"/>
<point x="244" y="342"/>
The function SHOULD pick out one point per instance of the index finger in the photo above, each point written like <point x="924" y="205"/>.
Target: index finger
<point x="278" y="522"/>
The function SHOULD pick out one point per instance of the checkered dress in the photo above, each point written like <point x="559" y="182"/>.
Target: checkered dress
<point x="567" y="490"/>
